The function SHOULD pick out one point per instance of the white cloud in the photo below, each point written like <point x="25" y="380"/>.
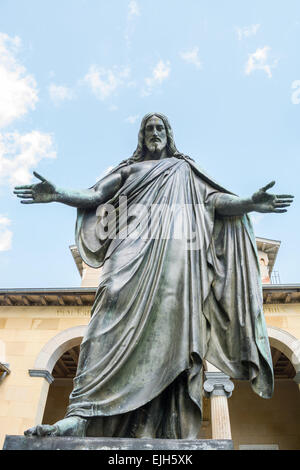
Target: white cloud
<point x="19" y="154"/>
<point x="160" y="73"/>
<point x="4" y="220"/>
<point x="5" y="234"/>
<point x="296" y="94"/>
<point x="133" y="9"/>
<point x="247" y="31"/>
<point x="132" y="119"/>
<point x="258" y="61"/>
<point x="18" y="90"/>
<point x="192" y="57"/>
<point x="60" y="93"/>
<point x="104" y="82"/>
<point x="133" y="13"/>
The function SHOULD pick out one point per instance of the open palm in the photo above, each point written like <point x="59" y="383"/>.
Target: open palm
<point x="36" y="193"/>
<point x="266" y="202"/>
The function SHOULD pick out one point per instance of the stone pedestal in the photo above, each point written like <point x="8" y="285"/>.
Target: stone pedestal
<point x="112" y="444"/>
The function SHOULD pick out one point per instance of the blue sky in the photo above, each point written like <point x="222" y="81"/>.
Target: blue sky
<point x="77" y="76"/>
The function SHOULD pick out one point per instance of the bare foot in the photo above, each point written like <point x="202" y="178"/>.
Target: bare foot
<point x="73" y="426"/>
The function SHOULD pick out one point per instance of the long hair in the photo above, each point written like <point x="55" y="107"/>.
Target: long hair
<point x="139" y="154"/>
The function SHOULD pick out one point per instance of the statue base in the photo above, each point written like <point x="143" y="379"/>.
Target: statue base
<point x="113" y="444"/>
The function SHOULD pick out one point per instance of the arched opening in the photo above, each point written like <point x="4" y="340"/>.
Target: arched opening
<point x="274" y="423"/>
<point x="63" y="373"/>
<point x="53" y="363"/>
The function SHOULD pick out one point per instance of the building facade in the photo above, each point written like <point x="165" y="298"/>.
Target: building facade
<point x="40" y="335"/>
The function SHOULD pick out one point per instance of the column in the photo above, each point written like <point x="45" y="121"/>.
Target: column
<point x="218" y="387"/>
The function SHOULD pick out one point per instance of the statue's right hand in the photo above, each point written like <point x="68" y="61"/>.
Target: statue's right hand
<point x="37" y="193"/>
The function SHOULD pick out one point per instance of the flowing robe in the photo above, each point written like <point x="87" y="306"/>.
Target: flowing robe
<point x="166" y="302"/>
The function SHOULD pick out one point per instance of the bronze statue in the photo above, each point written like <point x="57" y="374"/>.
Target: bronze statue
<point x="165" y="302"/>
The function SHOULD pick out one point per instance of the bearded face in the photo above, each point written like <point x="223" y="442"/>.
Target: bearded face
<point x="155" y="135"/>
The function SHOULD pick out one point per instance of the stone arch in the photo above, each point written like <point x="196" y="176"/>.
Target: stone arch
<point x="48" y="357"/>
<point x="57" y="346"/>
<point x="288" y="344"/>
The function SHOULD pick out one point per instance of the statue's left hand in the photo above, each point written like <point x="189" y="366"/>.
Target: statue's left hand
<point x="265" y="202"/>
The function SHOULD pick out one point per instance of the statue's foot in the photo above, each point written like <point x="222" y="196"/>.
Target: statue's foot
<point x="73" y="426"/>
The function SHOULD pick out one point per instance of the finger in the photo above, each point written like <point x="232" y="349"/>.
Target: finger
<point x="284" y="200"/>
<point x="25" y="196"/>
<point x="40" y="177"/>
<point x="282" y="205"/>
<point x="39" y="430"/>
<point x="278" y="211"/>
<point x="27" y="202"/>
<point x="45" y="429"/>
<point x="268" y="186"/>
<point x="30" y="431"/>
<point x="284" y="196"/>
<point x="27" y="186"/>
<point x="27" y="191"/>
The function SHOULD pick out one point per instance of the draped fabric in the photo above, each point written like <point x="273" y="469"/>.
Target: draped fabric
<point x="188" y="291"/>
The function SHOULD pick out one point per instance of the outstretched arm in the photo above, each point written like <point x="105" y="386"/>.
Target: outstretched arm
<point x="86" y="198"/>
<point x="261" y="201"/>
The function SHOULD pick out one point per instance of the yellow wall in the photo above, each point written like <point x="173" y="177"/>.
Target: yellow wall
<point x="255" y="420"/>
<point x="24" y="332"/>
<point x="284" y="316"/>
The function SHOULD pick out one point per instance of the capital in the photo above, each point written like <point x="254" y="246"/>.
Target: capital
<point x="41" y="373"/>
<point x="217" y="384"/>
